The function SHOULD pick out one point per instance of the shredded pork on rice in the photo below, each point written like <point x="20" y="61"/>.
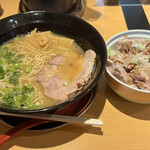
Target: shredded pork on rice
<point x="129" y="61"/>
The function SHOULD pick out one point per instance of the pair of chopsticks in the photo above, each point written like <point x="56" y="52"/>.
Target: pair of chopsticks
<point x="40" y="119"/>
<point x="61" y="118"/>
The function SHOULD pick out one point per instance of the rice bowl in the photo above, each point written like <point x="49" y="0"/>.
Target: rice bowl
<point x="124" y="90"/>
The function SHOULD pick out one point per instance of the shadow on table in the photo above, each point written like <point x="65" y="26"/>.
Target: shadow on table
<point x="51" y="138"/>
<point x="139" y="111"/>
<point x="1" y="10"/>
<point x="90" y="14"/>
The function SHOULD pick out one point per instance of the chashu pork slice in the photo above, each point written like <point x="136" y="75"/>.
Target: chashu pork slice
<point x="54" y="86"/>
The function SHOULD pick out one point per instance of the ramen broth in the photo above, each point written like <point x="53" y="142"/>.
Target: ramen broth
<point x="23" y="57"/>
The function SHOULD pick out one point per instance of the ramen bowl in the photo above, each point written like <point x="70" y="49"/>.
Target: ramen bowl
<point x="85" y="35"/>
<point x="124" y="90"/>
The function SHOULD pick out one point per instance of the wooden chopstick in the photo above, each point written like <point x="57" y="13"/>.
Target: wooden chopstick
<point x="61" y="118"/>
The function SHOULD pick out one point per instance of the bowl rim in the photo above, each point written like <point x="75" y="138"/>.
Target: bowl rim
<point x="113" y="40"/>
<point x="85" y="91"/>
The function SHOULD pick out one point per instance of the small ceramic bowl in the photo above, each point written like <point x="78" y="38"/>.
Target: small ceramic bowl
<point x="122" y="89"/>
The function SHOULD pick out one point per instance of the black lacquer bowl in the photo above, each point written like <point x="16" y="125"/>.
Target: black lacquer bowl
<point x="79" y="30"/>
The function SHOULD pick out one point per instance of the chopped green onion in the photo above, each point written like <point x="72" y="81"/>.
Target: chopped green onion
<point x="16" y="38"/>
<point x="2" y="72"/>
<point x="27" y="64"/>
<point x="141" y="47"/>
<point x="27" y="70"/>
<point x="108" y="51"/>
